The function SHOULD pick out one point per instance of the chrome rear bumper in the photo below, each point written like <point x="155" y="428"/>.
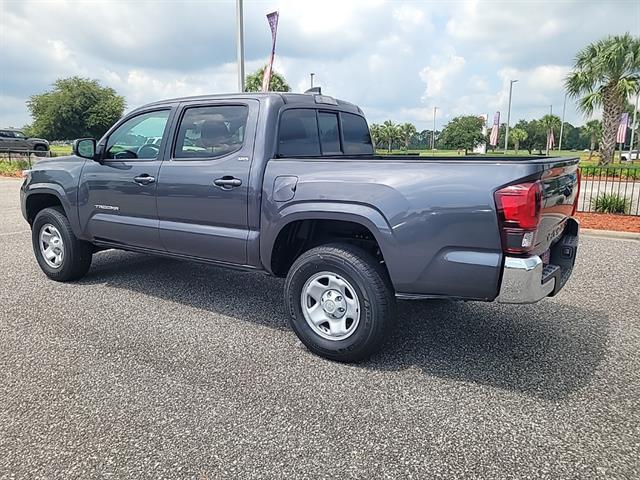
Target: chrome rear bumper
<point x="522" y="281"/>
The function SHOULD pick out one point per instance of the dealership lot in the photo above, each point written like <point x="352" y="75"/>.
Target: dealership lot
<point x="150" y="367"/>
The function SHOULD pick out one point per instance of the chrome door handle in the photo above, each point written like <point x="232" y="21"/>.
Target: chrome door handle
<point x="144" y="179"/>
<point x="227" y="182"/>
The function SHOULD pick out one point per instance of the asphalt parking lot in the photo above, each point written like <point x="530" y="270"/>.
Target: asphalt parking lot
<point x="152" y="368"/>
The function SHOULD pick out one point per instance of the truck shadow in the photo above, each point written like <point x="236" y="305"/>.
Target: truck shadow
<point x="547" y="350"/>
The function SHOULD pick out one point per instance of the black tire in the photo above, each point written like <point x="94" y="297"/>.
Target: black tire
<point x="40" y="150"/>
<point x="77" y="253"/>
<point x="371" y="284"/>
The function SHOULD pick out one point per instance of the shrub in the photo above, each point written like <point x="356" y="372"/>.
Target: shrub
<point x="611" y="203"/>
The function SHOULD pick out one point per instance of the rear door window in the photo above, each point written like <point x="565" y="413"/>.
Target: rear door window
<point x="298" y="133"/>
<point x="211" y="131"/>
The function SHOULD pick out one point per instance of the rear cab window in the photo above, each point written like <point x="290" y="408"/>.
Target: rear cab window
<point x="308" y="132"/>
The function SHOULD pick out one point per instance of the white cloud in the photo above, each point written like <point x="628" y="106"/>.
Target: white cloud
<point x="440" y="72"/>
<point x="395" y="59"/>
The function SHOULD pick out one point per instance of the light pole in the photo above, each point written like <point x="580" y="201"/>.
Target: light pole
<point x="634" y="126"/>
<point x="433" y="133"/>
<point x="240" y="44"/>
<point x="506" y="136"/>
<point x="564" y="106"/>
<point x="311" y="76"/>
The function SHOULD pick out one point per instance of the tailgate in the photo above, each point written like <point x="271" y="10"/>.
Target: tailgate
<point x="560" y="189"/>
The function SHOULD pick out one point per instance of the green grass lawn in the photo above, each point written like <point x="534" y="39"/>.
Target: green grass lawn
<point x="60" y="150"/>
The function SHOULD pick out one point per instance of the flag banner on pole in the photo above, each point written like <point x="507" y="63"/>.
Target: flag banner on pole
<point x="493" y="139"/>
<point x="272" y="18"/>
<point x="622" y="128"/>
<point x="551" y="140"/>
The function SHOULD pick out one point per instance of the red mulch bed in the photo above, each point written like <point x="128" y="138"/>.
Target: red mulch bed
<point x="605" y="221"/>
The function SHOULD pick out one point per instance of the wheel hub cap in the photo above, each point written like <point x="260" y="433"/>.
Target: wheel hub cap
<point x="334" y="303"/>
<point x="330" y="306"/>
<point x="51" y="245"/>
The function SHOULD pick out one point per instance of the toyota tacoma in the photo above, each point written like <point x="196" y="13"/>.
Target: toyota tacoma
<point x="289" y="184"/>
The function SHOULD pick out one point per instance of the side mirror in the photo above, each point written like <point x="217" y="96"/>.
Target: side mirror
<point x="85" y="148"/>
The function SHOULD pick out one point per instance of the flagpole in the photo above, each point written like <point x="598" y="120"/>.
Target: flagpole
<point x="240" y="44"/>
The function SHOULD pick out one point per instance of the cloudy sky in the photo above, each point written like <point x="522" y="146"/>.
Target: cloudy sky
<point x="396" y="59"/>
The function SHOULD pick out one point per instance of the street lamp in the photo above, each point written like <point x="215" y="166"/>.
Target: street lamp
<point x="433" y="133"/>
<point x="506" y="137"/>
<point x="240" y="44"/>
<point x="311" y="75"/>
<point x="564" y="107"/>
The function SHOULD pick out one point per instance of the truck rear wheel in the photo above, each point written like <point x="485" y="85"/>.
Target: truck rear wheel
<point x="61" y="256"/>
<point x="340" y="302"/>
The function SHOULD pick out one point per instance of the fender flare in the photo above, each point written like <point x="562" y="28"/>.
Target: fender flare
<point x="58" y="192"/>
<point x="362" y="214"/>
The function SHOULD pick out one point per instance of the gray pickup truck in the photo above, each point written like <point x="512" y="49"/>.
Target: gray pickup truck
<point x="289" y="184"/>
<point x="12" y="140"/>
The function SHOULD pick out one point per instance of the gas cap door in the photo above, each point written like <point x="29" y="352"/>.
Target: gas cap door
<point x="284" y="188"/>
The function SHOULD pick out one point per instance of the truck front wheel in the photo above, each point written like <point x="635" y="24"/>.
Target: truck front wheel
<point x="340" y="302"/>
<point x="61" y="256"/>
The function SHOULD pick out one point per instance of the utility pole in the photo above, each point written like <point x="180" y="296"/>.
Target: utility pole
<point x="634" y="126"/>
<point x="240" y="44"/>
<point x="506" y="137"/>
<point x="564" y="106"/>
<point x="311" y="76"/>
<point x="433" y="133"/>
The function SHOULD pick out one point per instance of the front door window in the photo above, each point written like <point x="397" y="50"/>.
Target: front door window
<point x="138" y="138"/>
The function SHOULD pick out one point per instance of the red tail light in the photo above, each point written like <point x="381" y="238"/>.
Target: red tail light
<point x="575" y="201"/>
<point x="518" y="215"/>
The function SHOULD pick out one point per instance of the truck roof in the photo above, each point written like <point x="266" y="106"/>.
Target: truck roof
<point x="288" y="98"/>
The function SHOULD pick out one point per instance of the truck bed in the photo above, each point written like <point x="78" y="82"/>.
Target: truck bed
<point x="435" y="218"/>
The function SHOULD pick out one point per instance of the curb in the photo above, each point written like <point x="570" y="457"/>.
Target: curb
<point x="610" y="234"/>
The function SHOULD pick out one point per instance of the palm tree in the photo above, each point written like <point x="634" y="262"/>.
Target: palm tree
<point x="593" y="130"/>
<point x="518" y="135"/>
<point x="407" y="131"/>
<point x="390" y="133"/>
<point x="277" y="83"/>
<point x="375" y="129"/>
<point x="606" y="73"/>
<point x="551" y="123"/>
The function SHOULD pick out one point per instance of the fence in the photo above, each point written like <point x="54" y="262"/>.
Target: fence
<point x="22" y="158"/>
<point x="612" y="189"/>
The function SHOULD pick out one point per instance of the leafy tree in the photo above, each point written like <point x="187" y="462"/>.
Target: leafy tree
<point x="253" y="82"/>
<point x="593" y="131"/>
<point x="536" y="135"/>
<point x="407" y="131"/>
<point x="75" y="108"/>
<point x="606" y="73"/>
<point x="571" y="139"/>
<point x="516" y="136"/>
<point x="551" y="124"/>
<point x="463" y="133"/>
<point x="390" y="132"/>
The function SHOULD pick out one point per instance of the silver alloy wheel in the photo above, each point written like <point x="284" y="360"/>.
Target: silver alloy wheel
<point x="330" y="306"/>
<point x="51" y="245"/>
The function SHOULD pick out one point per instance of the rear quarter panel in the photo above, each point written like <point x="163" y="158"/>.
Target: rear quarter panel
<point x="435" y="221"/>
